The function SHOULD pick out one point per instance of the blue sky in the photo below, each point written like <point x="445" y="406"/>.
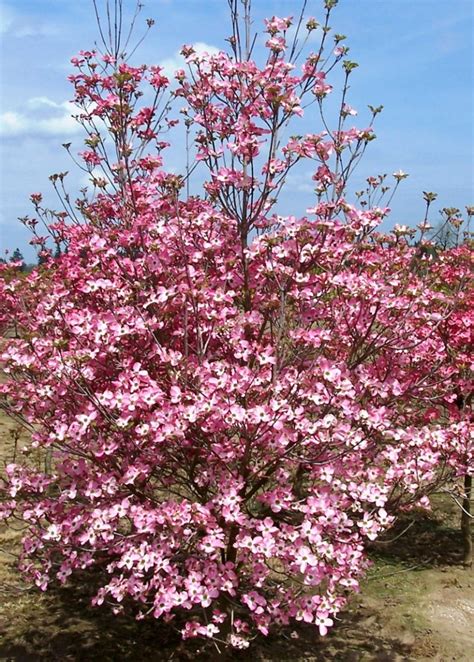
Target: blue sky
<point x="415" y="57"/>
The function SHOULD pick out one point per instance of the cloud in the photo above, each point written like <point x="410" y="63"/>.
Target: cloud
<point x="29" y="30"/>
<point x="300" y="183"/>
<point x="12" y="124"/>
<point x="42" y="117"/>
<point x="15" y="25"/>
<point x="201" y="47"/>
<point x="41" y="102"/>
<point x="6" y="19"/>
<point x="172" y="64"/>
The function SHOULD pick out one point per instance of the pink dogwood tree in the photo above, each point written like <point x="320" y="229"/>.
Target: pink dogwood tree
<point x="231" y="402"/>
<point x="456" y="334"/>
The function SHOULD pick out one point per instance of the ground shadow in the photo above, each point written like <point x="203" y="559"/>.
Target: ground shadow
<point x="74" y="631"/>
<point x="61" y="624"/>
<point x="423" y="540"/>
<point x="65" y="627"/>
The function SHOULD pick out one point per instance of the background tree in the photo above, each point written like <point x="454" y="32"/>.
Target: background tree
<point x="17" y="256"/>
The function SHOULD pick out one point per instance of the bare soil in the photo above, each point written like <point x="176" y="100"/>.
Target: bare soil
<point x="416" y="604"/>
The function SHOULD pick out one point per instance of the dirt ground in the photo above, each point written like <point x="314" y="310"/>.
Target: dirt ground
<point x="416" y="604"/>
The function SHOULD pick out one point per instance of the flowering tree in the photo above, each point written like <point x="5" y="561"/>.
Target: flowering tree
<point x="455" y="274"/>
<point x="232" y="402"/>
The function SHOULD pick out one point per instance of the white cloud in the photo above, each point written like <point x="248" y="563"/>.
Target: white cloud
<point x="59" y="126"/>
<point x="172" y="64"/>
<point x="14" y="24"/>
<point x="12" y="124"/>
<point x="30" y="30"/>
<point x="6" y="19"/>
<point x="43" y="117"/>
<point x="300" y="183"/>
<point x="201" y="47"/>
<point x="40" y="102"/>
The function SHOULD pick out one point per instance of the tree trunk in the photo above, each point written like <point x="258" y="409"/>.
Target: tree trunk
<point x="466" y="522"/>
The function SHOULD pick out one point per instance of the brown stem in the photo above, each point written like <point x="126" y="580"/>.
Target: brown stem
<point x="466" y="517"/>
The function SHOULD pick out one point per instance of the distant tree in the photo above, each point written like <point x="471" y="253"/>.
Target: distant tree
<point x="451" y="231"/>
<point x="42" y="258"/>
<point x="17" y="256"/>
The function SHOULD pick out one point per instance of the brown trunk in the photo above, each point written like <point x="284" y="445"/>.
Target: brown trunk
<point x="466" y="522"/>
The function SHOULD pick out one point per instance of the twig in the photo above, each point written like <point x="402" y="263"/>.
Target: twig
<point x="397" y="572"/>
<point x="389" y="542"/>
<point x="458" y="503"/>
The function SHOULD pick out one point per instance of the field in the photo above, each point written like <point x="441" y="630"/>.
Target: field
<point x="416" y="604"/>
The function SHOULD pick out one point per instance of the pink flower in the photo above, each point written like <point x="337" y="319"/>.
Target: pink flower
<point x="323" y="622"/>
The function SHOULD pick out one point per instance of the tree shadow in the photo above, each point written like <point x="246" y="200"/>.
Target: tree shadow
<point x="422" y="540"/>
<point x="62" y="625"/>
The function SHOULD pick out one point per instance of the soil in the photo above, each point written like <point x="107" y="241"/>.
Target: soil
<point x="417" y="603"/>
